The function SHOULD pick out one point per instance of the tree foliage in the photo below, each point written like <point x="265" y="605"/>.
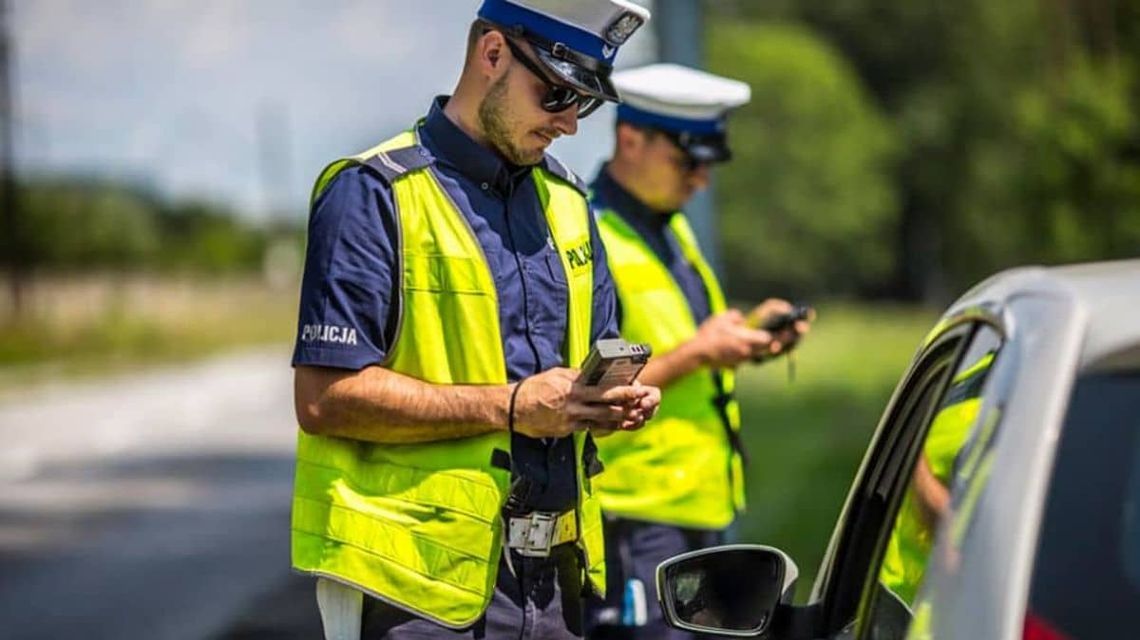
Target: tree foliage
<point x="806" y="205"/>
<point x="69" y="224"/>
<point x="1015" y="124"/>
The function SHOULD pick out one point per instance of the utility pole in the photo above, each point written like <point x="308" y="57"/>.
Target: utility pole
<point x="681" y="40"/>
<point x="275" y="161"/>
<point x="11" y="230"/>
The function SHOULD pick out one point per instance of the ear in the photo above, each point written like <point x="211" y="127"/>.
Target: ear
<point x="629" y="139"/>
<point x="492" y="55"/>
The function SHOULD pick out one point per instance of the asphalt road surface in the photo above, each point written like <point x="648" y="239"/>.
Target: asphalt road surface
<point x="152" y="506"/>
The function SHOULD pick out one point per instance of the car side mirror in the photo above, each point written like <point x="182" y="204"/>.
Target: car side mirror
<point x="731" y="590"/>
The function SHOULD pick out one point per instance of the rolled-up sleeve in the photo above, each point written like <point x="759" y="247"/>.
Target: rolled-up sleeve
<point x="349" y="291"/>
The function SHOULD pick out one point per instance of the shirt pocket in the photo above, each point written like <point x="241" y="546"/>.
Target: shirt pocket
<point x="557" y="290"/>
<point x="555" y="271"/>
<point x="447" y="274"/>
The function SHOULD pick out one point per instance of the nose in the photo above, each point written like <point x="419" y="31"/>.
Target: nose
<point x="699" y="176"/>
<point x="566" y="121"/>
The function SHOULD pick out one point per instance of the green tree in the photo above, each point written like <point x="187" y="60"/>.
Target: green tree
<point x="73" y="224"/>
<point x="1016" y="123"/>
<point x="807" y="204"/>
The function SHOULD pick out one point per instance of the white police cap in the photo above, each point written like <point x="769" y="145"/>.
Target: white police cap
<point x="576" y="40"/>
<point x="690" y="105"/>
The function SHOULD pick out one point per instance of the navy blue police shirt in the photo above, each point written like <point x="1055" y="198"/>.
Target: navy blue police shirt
<point x="350" y="285"/>
<point x="653" y="227"/>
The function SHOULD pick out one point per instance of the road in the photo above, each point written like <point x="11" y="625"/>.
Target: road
<point x="153" y="505"/>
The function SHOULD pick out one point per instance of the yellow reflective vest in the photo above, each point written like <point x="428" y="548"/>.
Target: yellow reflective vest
<point x="680" y="469"/>
<point x="419" y="525"/>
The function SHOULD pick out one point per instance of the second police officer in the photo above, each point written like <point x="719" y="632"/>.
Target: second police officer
<point x="675" y="485"/>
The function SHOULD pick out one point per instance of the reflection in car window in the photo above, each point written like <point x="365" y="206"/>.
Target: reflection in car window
<point x="943" y="456"/>
<point x="1086" y="578"/>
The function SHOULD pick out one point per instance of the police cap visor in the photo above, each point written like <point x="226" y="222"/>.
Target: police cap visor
<point x="703" y="149"/>
<point x="593" y="82"/>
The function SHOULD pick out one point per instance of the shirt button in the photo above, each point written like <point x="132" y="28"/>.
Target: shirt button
<point x="484" y="186"/>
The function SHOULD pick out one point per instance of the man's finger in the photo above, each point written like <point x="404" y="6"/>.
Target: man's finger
<point x="648" y="405"/>
<point x="601" y="413"/>
<point x="632" y="425"/>
<point x="754" y="337"/>
<point x="624" y="394"/>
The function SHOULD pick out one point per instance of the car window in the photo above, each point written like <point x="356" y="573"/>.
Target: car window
<point x="869" y="510"/>
<point x="1086" y="576"/>
<point x="947" y="437"/>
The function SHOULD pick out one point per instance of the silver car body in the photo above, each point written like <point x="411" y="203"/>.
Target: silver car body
<point x="1057" y="323"/>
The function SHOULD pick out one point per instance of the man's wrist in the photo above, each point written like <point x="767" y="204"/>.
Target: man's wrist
<point x="501" y="406"/>
<point x="513" y="406"/>
<point x="693" y="355"/>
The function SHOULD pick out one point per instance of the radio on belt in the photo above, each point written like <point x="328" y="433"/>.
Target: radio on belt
<point x="614" y="362"/>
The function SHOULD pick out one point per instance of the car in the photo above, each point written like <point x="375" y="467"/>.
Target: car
<point x="999" y="497"/>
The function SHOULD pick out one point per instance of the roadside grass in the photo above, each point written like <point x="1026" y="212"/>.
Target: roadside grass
<point x="88" y="326"/>
<point x="807" y="437"/>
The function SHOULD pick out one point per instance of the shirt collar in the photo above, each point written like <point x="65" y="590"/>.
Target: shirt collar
<point x="451" y="145"/>
<point x="611" y="195"/>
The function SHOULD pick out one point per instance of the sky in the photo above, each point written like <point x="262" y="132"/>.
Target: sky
<point x="240" y="101"/>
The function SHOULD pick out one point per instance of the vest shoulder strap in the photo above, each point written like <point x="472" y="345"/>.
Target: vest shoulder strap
<point x="391" y="165"/>
<point x="555" y="167"/>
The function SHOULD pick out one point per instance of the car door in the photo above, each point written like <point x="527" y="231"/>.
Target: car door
<point x="876" y="562"/>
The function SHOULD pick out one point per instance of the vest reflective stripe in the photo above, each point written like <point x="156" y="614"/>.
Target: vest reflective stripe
<point x="680" y="468"/>
<point x="419" y="525"/>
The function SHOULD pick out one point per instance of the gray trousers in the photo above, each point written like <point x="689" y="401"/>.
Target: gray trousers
<point x="539" y="598"/>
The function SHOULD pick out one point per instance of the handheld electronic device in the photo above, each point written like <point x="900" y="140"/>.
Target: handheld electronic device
<point x="784" y="321"/>
<point x="614" y="362"/>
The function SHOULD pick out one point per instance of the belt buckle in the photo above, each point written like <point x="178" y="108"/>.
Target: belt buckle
<point x="539" y="535"/>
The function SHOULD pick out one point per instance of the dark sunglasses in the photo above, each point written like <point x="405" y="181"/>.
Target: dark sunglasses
<point x="686" y="163"/>
<point x="557" y="98"/>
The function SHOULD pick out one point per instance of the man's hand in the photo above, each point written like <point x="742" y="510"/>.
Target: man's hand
<point x="725" y="340"/>
<point x="554" y="404"/>
<point x="785" y="339"/>
<point x="639" y="413"/>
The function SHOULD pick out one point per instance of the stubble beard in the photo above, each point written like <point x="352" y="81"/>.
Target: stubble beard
<point x="497" y="129"/>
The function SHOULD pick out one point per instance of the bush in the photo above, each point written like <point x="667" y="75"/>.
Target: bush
<point x="807" y="205"/>
<point x="78" y="225"/>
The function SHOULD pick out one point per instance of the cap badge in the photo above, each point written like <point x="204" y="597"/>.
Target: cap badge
<point x="623" y="27"/>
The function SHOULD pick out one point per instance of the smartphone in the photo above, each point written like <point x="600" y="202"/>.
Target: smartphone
<point x="614" y="362"/>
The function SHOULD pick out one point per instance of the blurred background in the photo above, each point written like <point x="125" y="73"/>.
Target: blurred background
<point x="157" y="157"/>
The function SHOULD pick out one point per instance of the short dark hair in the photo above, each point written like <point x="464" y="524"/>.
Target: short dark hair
<point x="650" y="132"/>
<point x="478" y="28"/>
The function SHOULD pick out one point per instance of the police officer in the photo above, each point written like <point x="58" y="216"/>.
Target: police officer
<point x="444" y="464"/>
<point x="676" y="485"/>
